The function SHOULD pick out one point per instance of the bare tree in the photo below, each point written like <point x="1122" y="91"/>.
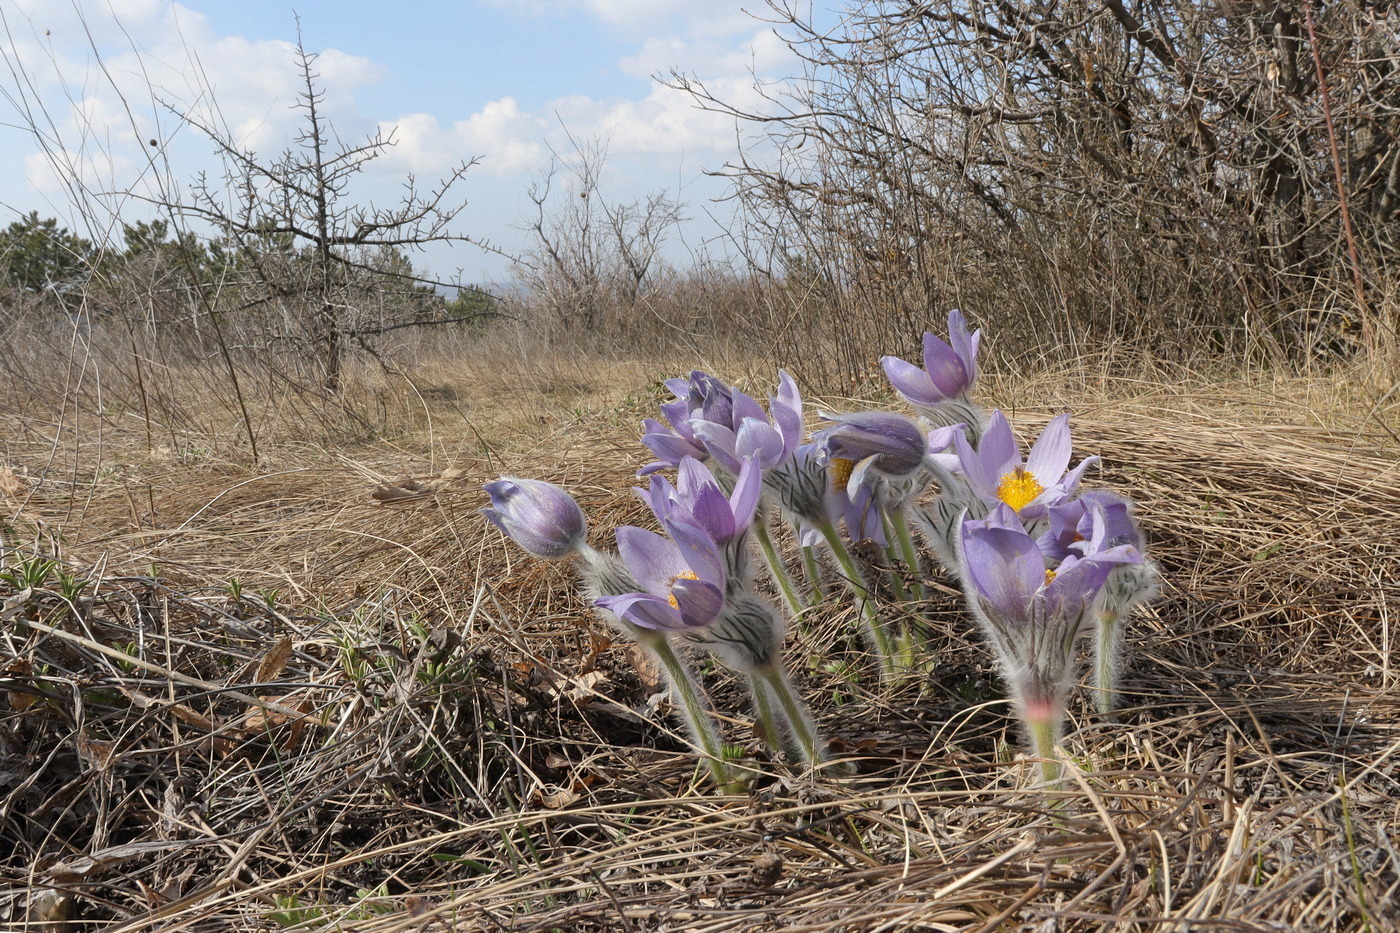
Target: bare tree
<point x="307" y="251"/>
<point x="589" y="253"/>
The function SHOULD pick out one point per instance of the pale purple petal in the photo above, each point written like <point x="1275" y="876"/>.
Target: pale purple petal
<point x="712" y="513"/>
<point x="748" y="488"/>
<point x="997" y="450"/>
<point x="757" y="437"/>
<point x="963" y="345"/>
<point x="1071" y="479"/>
<point x="1050" y="455"/>
<point x="720" y="441"/>
<point x="699" y="602"/>
<point x="644" y="610"/>
<point x="1005" y="567"/>
<point x="698" y="551"/>
<point x="745" y="407"/>
<point x="691" y="477"/>
<point x="651" y="558"/>
<point x="1078" y="581"/>
<point x="911" y="382"/>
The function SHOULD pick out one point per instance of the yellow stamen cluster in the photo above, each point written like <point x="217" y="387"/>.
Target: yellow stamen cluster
<point x="685" y="575"/>
<point x="840" y="469"/>
<point x="1019" y="488"/>
<point x="1049" y="576"/>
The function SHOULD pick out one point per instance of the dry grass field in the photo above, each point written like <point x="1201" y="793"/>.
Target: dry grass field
<point x="321" y="693"/>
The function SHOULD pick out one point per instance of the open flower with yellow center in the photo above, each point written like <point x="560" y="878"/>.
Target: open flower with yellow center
<point x="682" y="578"/>
<point x="996" y="474"/>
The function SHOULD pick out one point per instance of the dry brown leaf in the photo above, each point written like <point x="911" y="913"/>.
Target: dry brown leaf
<point x="260" y="721"/>
<point x="190" y="717"/>
<point x="581" y="689"/>
<point x="597" y="644"/>
<point x="20" y="699"/>
<point x="385" y="492"/>
<point x="275" y="661"/>
<point x="10" y="484"/>
<point x="96" y="752"/>
<point x="646" y="667"/>
<point x="559" y="799"/>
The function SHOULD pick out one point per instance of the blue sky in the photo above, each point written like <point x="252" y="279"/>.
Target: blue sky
<point x="506" y="81"/>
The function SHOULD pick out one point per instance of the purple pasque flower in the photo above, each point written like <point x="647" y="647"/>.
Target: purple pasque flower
<point x="882" y="450"/>
<point x="948" y="372"/>
<point x="1031" y="608"/>
<point x="699" y="500"/>
<point x="941" y="390"/>
<point x="994" y="472"/>
<point x="675" y="440"/>
<point x="772" y="437"/>
<point x="1094" y="521"/>
<point x="540" y="517"/>
<point x="682" y="578"/>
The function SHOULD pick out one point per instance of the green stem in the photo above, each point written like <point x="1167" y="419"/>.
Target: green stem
<point x="814" y="573"/>
<point x="800" y="723"/>
<point x="892" y="561"/>
<point x="900" y="521"/>
<point x="879" y="638"/>
<point x="778" y="569"/>
<point x="1106" y="662"/>
<point x="773" y="731"/>
<point x="1043" y="738"/>
<point x="702" y="725"/>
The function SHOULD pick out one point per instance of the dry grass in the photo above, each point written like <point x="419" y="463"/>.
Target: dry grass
<point x="479" y="755"/>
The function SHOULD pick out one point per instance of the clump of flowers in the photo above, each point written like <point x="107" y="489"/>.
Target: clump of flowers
<point x="1045" y="565"/>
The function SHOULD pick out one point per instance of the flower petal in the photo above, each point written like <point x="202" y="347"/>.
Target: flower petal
<point x="911" y="382"/>
<point x="1005" y="568"/>
<point x="644" y="610"/>
<point x="1050" y="455"/>
<point x="651" y="558"/>
<point x="944" y="367"/>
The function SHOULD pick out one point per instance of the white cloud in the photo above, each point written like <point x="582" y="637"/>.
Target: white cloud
<point x="613" y="12"/>
<point x="507" y="141"/>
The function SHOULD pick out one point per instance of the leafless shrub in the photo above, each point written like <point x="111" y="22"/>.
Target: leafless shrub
<point x="1158" y="172"/>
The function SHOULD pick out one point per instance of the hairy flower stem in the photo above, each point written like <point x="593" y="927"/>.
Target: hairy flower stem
<point x="773" y="732"/>
<point x="879" y="638"/>
<point x="1108" y="635"/>
<point x="778" y="569"/>
<point x="1043" y="738"/>
<point x="813" y="571"/>
<point x="702" y="726"/>
<point x="892" y="569"/>
<point x="798" y="733"/>
<point x="900" y="521"/>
